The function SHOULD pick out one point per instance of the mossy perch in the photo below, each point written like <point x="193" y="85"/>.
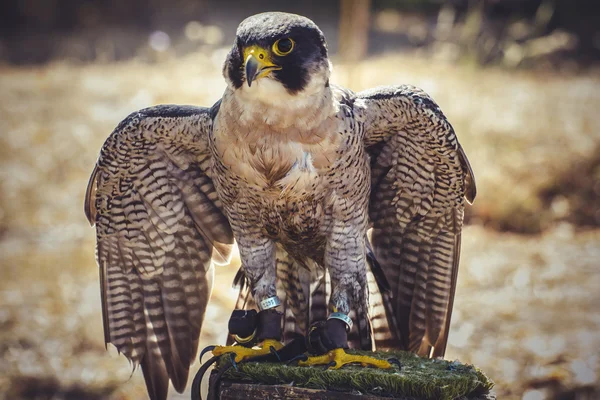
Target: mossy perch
<point x="418" y="379"/>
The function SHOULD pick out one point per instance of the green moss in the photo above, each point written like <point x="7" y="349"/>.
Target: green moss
<point x="419" y="377"/>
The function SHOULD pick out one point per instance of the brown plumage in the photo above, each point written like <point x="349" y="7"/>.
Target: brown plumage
<point x="157" y="219"/>
<point x="420" y="175"/>
<point x="297" y="170"/>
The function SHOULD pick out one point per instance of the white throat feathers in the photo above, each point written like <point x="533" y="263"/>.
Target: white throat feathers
<point x="269" y="102"/>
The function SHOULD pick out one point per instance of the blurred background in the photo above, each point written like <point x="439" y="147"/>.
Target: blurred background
<point x="519" y="80"/>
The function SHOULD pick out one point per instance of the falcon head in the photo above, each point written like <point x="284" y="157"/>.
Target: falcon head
<point x="277" y="55"/>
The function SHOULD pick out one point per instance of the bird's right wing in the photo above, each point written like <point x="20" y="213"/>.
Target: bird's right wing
<point x="158" y="223"/>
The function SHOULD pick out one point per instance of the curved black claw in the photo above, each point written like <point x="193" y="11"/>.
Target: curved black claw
<point x="331" y="364"/>
<point x="206" y="350"/>
<point x="300" y="357"/>
<point x="274" y="352"/>
<point x="233" y="363"/>
<point x="395" y="361"/>
<point x="198" y="378"/>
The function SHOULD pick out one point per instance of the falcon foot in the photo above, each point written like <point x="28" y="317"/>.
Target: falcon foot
<point x="327" y="341"/>
<point x="256" y="334"/>
<point x="337" y="358"/>
<point x="242" y="353"/>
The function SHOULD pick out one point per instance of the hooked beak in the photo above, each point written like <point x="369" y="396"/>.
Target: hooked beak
<point x="258" y="64"/>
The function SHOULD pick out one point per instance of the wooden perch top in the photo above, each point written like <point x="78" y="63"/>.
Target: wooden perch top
<point x="418" y="379"/>
<point x="231" y="390"/>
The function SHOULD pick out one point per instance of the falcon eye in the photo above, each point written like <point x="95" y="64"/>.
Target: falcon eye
<point x="283" y="47"/>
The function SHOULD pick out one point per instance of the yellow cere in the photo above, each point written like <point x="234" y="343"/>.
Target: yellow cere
<point x="262" y="55"/>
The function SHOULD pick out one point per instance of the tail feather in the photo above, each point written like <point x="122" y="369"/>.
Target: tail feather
<point x="292" y="282"/>
<point x="319" y="296"/>
<point x="380" y="305"/>
<point x="382" y="335"/>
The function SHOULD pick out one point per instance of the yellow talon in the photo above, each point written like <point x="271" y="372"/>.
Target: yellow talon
<point x="341" y="358"/>
<point x="242" y="353"/>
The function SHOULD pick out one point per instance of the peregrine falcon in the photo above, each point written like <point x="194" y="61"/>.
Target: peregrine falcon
<point x="296" y="170"/>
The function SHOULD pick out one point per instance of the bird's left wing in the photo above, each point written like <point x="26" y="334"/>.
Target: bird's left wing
<point x="420" y="177"/>
<point x="158" y="222"/>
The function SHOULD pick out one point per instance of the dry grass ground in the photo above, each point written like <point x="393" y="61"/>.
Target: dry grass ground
<point x="528" y="306"/>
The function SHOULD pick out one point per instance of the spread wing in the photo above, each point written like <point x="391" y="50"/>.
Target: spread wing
<point x="158" y="222"/>
<point x="420" y="177"/>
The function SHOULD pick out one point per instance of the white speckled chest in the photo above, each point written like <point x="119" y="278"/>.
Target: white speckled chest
<point x="290" y="180"/>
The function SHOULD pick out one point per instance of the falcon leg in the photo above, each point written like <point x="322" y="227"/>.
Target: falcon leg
<point x="256" y="334"/>
<point x="345" y="257"/>
<point x="329" y="340"/>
